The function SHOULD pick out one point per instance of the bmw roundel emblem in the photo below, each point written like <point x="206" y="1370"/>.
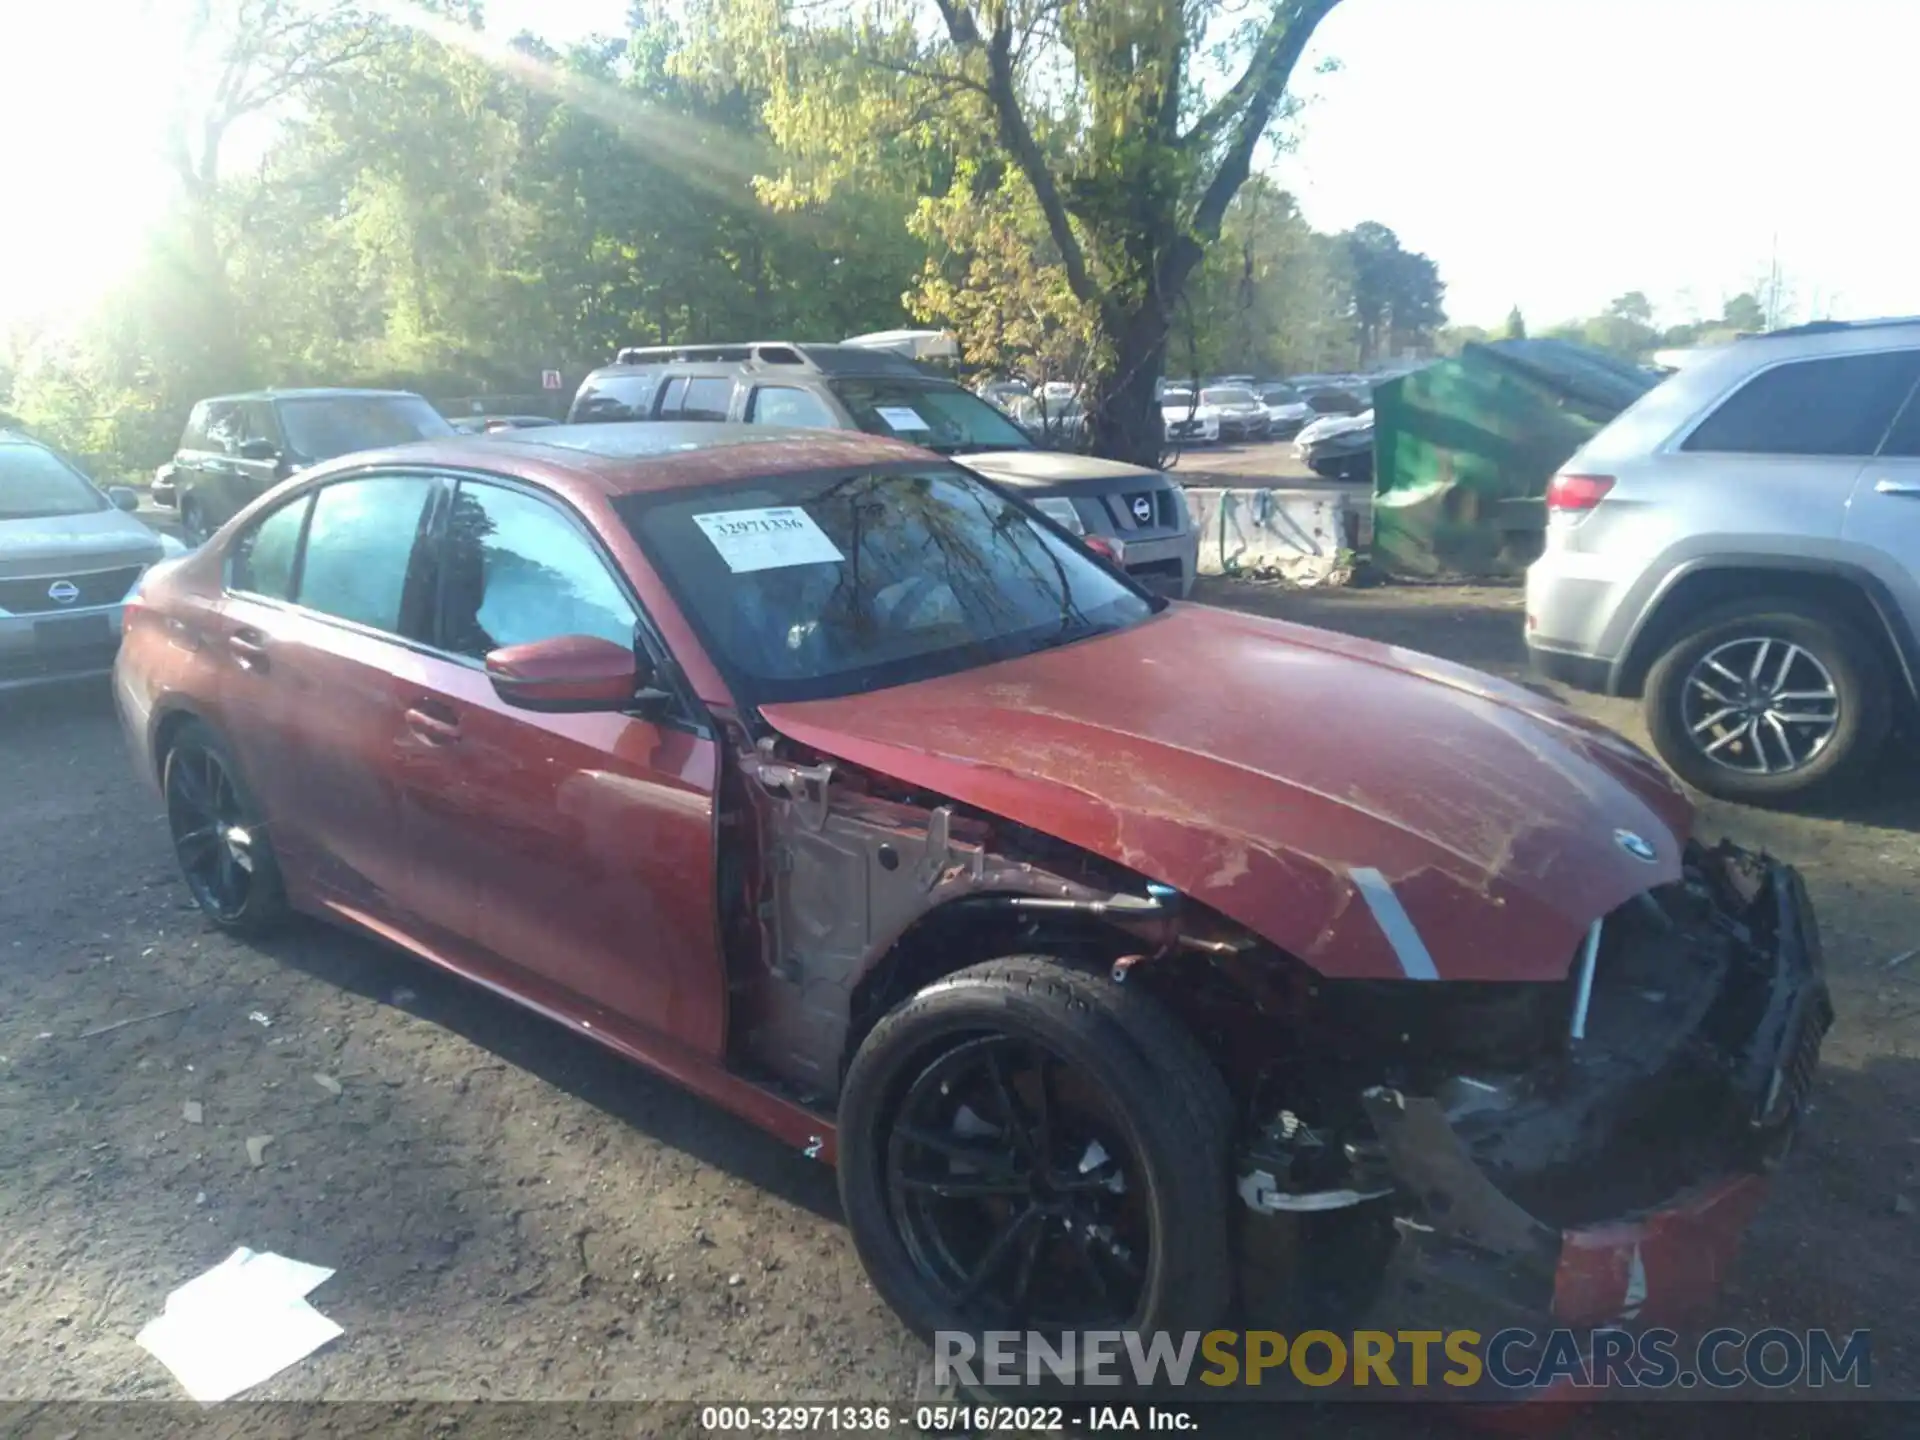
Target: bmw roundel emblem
<point x="1635" y="846"/>
<point x="63" y="592"/>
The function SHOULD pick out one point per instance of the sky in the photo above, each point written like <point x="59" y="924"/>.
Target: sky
<point x="1550" y="154"/>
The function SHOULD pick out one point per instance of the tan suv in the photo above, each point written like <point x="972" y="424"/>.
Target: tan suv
<point x="1140" y="515"/>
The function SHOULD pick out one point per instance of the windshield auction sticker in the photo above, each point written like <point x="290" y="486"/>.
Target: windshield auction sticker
<point x="901" y="417"/>
<point x="751" y="540"/>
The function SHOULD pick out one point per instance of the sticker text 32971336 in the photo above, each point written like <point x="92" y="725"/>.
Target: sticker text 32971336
<point x="768" y="539"/>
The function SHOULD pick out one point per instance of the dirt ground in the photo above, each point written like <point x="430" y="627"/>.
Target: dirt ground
<point x="516" y="1215"/>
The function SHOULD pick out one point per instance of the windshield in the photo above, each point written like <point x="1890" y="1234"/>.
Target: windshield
<point x="1280" y="395"/>
<point x="35" y="483"/>
<point x="833" y="583"/>
<point x="324" y="426"/>
<point x="940" y="417"/>
<point x="1177" y="400"/>
<point x="1228" y="397"/>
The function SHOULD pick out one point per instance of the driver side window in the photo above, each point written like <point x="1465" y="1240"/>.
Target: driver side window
<point x="517" y="569"/>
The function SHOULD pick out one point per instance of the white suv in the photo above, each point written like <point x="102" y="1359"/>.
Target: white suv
<point x="1742" y="547"/>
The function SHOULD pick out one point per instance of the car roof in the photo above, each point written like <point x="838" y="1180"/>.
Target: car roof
<point x="776" y="357"/>
<point x="622" y="458"/>
<point x="311" y="393"/>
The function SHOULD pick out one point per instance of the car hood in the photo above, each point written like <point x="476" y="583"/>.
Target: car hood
<point x="1043" y="469"/>
<point x="57" y="545"/>
<point x="1375" y="812"/>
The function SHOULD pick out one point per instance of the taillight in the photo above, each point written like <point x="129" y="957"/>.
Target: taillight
<point x="1114" y="550"/>
<point x="1577" y="494"/>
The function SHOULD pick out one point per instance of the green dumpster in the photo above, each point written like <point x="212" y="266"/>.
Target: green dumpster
<point x="1463" y="450"/>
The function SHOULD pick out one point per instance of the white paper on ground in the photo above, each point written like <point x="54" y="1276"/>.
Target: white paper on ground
<point x="238" y="1324"/>
<point x="768" y="539"/>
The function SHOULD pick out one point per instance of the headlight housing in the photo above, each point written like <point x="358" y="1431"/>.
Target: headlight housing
<point x="1060" y="510"/>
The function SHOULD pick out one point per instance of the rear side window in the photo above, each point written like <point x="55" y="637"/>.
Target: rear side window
<point x="671" y="394"/>
<point x="1837" y="406"/>
<point x="789" y="405"/>
<point x="707" y="399"/>
<point x="263" y="558"/>
<point x="613" y="397"/>
<point x="194" y="437"/>
<point x="1904" y="439"/>
<point x="360" y="547"/>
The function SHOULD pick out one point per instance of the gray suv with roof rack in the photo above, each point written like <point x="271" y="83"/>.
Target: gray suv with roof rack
<point x="1139" y="515"/>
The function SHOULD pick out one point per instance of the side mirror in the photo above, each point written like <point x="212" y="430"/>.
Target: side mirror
<point x="569" y="674"/>
<point x="124" y="498"/>
<point x="259" y="450"/>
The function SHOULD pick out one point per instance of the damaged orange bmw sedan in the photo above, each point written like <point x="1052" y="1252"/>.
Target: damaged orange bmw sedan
<point x="1135" y="961"/>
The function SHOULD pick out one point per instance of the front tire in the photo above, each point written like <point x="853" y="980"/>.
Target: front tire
<point x="1768" y="702"/>
<point x="1027" y="1147"/>
<point x="219" y="836"/>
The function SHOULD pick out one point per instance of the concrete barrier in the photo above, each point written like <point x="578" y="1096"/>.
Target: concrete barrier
<point x="1302" y="535"/>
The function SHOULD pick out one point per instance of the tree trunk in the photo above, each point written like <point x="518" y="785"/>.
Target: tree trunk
<point x="1125" y="416"/>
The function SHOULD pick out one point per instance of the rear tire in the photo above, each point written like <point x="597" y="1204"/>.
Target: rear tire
<point x="1137" y="1135"/>
<point x="1815" y="715"/>
<point x="219" y="836"/>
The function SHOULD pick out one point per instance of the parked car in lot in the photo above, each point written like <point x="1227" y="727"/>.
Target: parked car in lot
<point x="493" y="424"/>
<point x="844" y="788"/>
<point x="1287" y="409"/>
<point x="1237" y="410"/>
<point x="69" y="556"/>
<point x="1139" y="516"/>
<point x="237" y="447"/>
<point x="1185" y="420"/>
<point x="1741" y="548"/>
<point x="1326" y="428"/>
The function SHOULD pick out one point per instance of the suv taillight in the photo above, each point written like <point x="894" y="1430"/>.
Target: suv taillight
<point x="1576" y="494"/>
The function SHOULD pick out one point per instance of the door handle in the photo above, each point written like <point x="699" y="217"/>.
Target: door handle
<point x="248" y="649"/>
<point x="434" y="729"/>
<point x="1906" y="489"/>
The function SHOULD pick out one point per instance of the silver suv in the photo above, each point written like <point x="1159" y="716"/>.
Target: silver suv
<point x="1742" y="548"/>
<point x="1138" y="518"/>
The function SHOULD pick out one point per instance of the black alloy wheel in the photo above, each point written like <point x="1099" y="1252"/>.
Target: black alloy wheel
<point x="1028" y="1145"/>
<point x="217" y="837"/>
<point x="1008" y="1180"/>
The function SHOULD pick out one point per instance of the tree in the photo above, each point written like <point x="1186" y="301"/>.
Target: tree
<point x="1397" y="293"/>
<point x="1516" y="325"/>
<point x="1111" y="114"/>
<point x="1744" y="313"/>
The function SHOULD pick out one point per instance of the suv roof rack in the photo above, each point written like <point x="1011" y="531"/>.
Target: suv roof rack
<point x="1834" y="327"/>
<point x="842" y="359"/>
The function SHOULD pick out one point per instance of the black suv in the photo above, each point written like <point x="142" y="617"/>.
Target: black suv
<point x="1139" y="515"/>
<point x="237" y="447"/>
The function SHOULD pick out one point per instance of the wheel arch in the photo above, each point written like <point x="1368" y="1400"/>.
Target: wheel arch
<point x="963" y="932"/>
<point x="1847" y="589"/>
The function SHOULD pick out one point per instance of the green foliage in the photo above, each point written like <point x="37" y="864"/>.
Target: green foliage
<point x="381" y="194"/>
<point x="1397" y="293"/>
<point x="437" y="211"/>
<point x="1516" y="325"/>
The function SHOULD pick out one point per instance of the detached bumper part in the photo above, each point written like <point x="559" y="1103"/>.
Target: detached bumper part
<point x="1661" y="1260"/>
<point x="1470" y="1254"/>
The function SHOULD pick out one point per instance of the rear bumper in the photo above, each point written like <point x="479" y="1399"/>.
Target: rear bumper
<point x="1581" y="672"/>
